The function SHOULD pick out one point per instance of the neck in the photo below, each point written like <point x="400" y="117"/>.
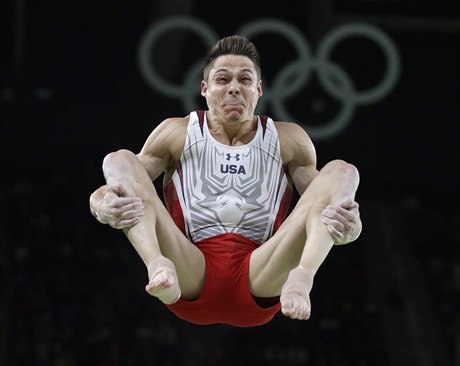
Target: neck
<point x="232" y="132"/>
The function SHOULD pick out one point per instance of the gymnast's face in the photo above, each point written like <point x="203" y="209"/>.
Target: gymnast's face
<point x="232" y="88"/>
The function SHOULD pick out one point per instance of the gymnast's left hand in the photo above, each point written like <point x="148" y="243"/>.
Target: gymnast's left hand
<point x="343" y="221"/>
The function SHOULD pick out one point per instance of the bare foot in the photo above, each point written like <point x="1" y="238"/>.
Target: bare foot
<point x="163" y="282"/>
<point x="295" y="299"/>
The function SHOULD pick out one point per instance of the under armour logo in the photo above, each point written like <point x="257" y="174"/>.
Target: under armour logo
<point x="236" y="157"/>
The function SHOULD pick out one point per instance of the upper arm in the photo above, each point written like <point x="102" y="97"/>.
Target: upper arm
<point x="298" y="153"/>
<point x="162" y="149"/>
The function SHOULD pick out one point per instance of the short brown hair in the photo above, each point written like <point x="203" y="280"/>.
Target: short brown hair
<point x="232" y="45"/>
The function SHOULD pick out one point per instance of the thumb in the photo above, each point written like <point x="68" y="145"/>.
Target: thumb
<point x="118" y="189"/>
<point x="349" y="204"/>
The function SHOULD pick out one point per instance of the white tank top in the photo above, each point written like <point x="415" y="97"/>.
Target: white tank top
<point x="218" y="189"/>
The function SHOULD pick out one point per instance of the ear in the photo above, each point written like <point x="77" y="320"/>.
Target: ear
<point x="260" y="91"/>
<point x="204" y="88"/>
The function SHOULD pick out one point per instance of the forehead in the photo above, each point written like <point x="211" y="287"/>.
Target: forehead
<point x="233" y="63"/>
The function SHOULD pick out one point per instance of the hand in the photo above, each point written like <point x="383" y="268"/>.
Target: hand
<point x="118" y="209"/>
<point x="343" y="221"/>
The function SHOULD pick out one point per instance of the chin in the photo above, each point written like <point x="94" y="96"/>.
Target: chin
<point x="234" y="116"/>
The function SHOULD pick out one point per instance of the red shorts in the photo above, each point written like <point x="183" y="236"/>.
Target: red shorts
<point x="226" y="297"/>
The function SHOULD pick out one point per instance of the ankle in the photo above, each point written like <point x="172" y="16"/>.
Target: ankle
<point x="159" y="262"/>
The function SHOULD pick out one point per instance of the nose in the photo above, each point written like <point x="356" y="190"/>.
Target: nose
<point x="233" y="88"/>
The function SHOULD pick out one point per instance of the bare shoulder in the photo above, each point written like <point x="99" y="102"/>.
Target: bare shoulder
<point x="170" y="126"/>
<point x="168" y="136"/>
<point x="163" y="148"/>
<point x="295" y="143"/>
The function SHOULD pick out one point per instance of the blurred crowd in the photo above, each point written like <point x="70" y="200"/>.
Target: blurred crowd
<point x="72" y="293"/>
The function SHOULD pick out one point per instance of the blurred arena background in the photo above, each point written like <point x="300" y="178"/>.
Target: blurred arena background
<point x="375" y="82"/>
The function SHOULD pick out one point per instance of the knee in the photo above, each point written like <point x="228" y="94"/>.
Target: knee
<point x="117" y="157"/>
<point x="343" y="169"/>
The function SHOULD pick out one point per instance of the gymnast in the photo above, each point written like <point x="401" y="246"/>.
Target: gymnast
<point x="221" y="247"/>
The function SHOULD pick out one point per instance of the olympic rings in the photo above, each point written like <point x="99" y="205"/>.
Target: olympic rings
<point x="290" y="80"/>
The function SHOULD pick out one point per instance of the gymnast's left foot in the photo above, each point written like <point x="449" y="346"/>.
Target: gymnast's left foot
<point x="295" y="299"/>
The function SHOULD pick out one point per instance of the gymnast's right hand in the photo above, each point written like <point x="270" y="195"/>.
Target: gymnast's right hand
<point x="112" y="205"/>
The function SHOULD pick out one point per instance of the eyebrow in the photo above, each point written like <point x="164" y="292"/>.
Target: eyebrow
<point x="223" y="69"/>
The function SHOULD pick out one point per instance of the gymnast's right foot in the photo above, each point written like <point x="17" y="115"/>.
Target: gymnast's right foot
<point x="163" y="282"/>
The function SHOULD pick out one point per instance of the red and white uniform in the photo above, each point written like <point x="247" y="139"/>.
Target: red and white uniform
<point x="218" y="189"/>
<point x="228" y="200"/>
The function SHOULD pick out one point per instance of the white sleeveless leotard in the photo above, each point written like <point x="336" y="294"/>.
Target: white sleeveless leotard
<point x="218" y="189"/>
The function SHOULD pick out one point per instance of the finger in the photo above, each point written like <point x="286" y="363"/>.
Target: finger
<point x="128" y="202"/>
<point x="340" y="214"/>
<point x="120" y="211"/>
<point x="349" y="205"/>
<point x="336" y="235"/>
<point x="349" y="216"/>
<point x="131" y="204"/>
<point x="127" y="215"/>
<point x="334" y="213"/>
<point x="337" y="230"/>
<point x="343" y="227"/>
<point x="337" y="226"/>
<point x="130" y="222"/>
<point x="118" y="189"/>
<point x="126" y="223"/>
